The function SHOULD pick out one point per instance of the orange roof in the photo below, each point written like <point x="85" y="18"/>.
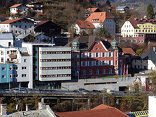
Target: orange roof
<point x="98" y="17"/>
<point x="85" y="24"/>
<point x="15" y="5"/>
<point x="128" y="51"/>
<point x="92" y="9"/>
<point x="13" y="20"/>
<point x="101" y="106"/>
<point x="100" y="111"/>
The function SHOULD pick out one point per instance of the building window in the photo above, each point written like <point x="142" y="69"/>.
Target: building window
<point x="2" y="53"/>
<point x="97" y="63"/>
<point x="90" y="63"/>
<point x="11" y="75"/>
<point x="96" y="54"/>
<point x="3" y="68"/>
<point x="103" y="54"/>
<point x="84" y="72"/>
<point x="110" y="71"/>
<point x="90" y="72"/>
<point x="104" y="71"/>
<point x="7" y="52"/>
<point x="97" y="71"/>
<point x="3" y="76"/>
<point x="10" y="68"/>
<point x="2" y="59"/>
<point x="90" y="55"/>
<point x="23" y="67"/>
<point x="25" y="60"/>
<point x="23" y="75"/>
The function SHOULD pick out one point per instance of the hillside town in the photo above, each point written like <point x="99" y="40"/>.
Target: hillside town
<point x="100" y="65"/>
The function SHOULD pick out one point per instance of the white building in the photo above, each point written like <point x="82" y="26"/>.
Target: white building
<point x="6" y="39"/>
<point x="51" y="65"/>
<point x="122" y="9"/>
<point x="18" y="9"/>
<point x="17" y="26"/>
<point x="83" y="26"/>
<point x="147" y="61"/>
<point x="99" y="19"/>
<point x="54" y="63"/>
<point x="22" y="66"/>
<point x="151" y="106"/>
<point x="36" y="7"/>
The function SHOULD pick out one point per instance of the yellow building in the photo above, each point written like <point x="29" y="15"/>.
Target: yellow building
<point x="136" y="27"/>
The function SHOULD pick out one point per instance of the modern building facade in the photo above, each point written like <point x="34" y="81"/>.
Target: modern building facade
<point x="50" y="65"/>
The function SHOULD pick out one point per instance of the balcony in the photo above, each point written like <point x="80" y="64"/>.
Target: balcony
<point x="13" y="56"/>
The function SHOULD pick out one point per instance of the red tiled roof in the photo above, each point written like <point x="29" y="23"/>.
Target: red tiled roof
<point x="128" y="51"/>
<point x="10" y="21"/>
<point x="92" y="9"/>
<point x="101" y="106"/>
<point x="85" y="24"/>
<point x="13" y="20"/>
<point x="98" y="16"/>
<point x="15" y="5"/>
<point x="135" y="21"/>
<point x="101" y="111"/>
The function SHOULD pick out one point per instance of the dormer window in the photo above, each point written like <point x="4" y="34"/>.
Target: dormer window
<point x="95" y="20"/>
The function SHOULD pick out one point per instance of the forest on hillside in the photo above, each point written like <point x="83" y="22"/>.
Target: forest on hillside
<point x="61" y="12"/>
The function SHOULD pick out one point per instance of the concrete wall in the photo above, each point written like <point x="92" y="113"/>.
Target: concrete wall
<point x="152" y="106"/>
<point x="99" y="83"/>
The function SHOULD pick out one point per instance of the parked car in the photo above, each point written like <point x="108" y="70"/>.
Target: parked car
<point x="83" y="91"/>
<point x="96" y="91"/>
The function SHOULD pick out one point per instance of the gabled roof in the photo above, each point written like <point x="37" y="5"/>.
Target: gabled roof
<point x="150" y="54"/>
<point x="92" y="9"/>
<point x="135" y="21"/>
<point x="86" y="42"/>
<point x="96" y="112"/>
<point x="13" y="20"/>
<point x="98" y="17"/>
<point x="128" y="51"/>
<point x="85" y="24"/>
<point x="15" y="5"/>
<point x="42" y="22"/>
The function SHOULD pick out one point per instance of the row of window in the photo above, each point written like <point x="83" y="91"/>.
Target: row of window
<point x="98" y="54"/>
<point x="131" y="40"/>
<point x="97" y="63"/>
<point x="54" y="60"/>
<point x="53" y="68"/>
<point x="144" y="30"/>
<point x="55" y="75"/>
<point x="55" y="52"/>
<point x="97" y="72"/>
<point x="14" y="75"/>
<point x="12" y="68"/>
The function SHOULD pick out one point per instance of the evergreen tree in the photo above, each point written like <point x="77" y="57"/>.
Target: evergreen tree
<point x="150" y="12"/>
